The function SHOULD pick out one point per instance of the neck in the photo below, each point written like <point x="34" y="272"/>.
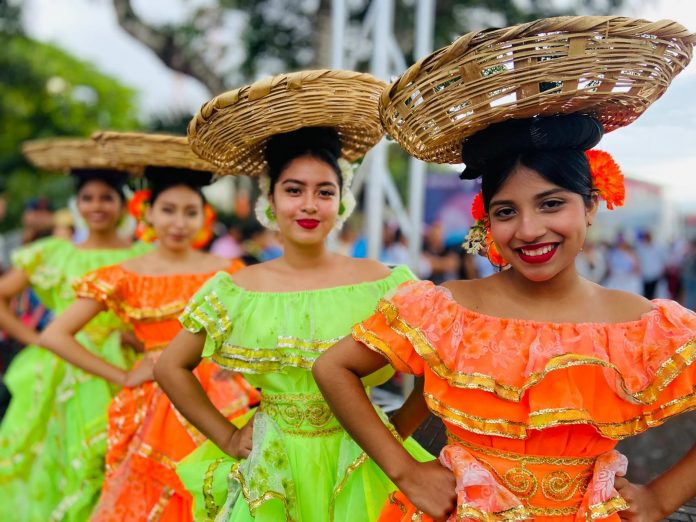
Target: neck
<point x="103" y="239"/>
<point x="560" y="286"/>
<point x="304" y="257"/>
<point x="174" y="256"/>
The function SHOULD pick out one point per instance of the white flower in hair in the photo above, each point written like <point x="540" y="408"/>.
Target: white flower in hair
<point x="262" y="209"/>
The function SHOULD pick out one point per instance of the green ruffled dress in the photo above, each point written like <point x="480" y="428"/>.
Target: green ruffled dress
<point x="53" y="436"/>
<point x="303" y="467"/>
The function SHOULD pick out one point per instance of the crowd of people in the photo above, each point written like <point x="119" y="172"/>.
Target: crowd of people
<point x="156" y="380"/>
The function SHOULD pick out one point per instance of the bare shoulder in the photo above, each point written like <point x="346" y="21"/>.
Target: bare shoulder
<point x="138" y="264"/>
<point x="470" y="293"/>
<point x="365" y="269"/>
<point x="254" y="277"/>
<point x="619" y="306"/>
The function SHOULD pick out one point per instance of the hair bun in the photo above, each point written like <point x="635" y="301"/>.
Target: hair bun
<point x="498" y="143"/>
<point x="167" y="176"/>
<point x="282" y="148"/>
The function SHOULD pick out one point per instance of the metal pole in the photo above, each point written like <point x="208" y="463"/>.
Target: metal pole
<point x="338" y="31"/>
<point x="382" y="28"/>
<point x="425" y="21"/>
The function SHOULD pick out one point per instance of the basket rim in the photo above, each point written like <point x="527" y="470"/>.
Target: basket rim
<point x="468" y="45"/>
<point x="208" y="134"/>
<point x="65" y="153"/>
<point x="138" y="150"/>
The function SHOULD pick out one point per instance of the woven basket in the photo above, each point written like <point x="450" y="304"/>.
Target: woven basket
<point x="63" y="154"/>
<point x="134" y="151"/>
<point x="232" y="129"/>
<point x="610" y="67"/>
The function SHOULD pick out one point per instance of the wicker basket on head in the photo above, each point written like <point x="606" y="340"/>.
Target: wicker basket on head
<point x="232" y="129"/>
<point x="610" y="67"/>
<point x="64" y="154"/>
<point x="135" y="150"/>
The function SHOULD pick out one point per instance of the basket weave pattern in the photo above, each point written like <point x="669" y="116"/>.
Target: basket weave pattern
<point x="610" y="67"/>
<point x="231" y="130"/>
<point x="62" y="154"/>
<point x="134" y="150"/>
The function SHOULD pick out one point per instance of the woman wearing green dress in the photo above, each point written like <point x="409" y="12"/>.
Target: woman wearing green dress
<point x="53" y="436"/>
<point x="271" y="321"/>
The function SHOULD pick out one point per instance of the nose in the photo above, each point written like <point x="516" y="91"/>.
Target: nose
<point x="530" y="228"/>
<point x="309" y="204"/>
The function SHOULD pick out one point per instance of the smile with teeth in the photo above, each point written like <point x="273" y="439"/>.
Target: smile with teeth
<point x="538" y="251"/>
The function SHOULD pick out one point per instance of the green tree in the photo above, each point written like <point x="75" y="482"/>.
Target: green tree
<point x="280" y="35"/>
<point x="45" y="92"/>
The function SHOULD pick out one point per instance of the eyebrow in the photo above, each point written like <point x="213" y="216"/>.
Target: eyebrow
<point x="322" y="184"/>
<point x="541" y="195"/>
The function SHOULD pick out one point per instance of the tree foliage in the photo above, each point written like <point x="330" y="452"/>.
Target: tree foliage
<point x="45" y="92"/>
<point x="281" y="35"/>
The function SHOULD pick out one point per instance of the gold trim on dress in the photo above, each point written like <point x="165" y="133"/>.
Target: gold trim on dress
<point x="211" y="507"/>
<point x="683" y="357"/>
<point x="268" y="495"/>
<point x="558" y="417"/>
<point x="300" y="414"/>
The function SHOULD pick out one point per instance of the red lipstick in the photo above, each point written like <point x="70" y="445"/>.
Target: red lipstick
<point x="309" y="224"/>
<point x="538" y="258"/>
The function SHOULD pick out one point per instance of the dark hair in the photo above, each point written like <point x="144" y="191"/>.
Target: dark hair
<point x="160" y="179"/>
<point x="553" y="146"/>
<point x="115" y="179"/>
<point x="322" y="143"/>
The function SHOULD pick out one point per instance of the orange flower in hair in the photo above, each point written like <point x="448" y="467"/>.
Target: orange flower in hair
<point x="205" y="234"/>
<point x="607" y="178"/>
<point x="136" y="208"/>
<point x="479" y="240"/>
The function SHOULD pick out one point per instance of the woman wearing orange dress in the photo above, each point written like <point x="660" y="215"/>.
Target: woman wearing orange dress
<point x="147" y="436"/>
<point x="535" y="372"/>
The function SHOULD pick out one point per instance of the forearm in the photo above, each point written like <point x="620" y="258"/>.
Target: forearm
<point x="344" y="392"/>
<point x="14" y="327"/>
<point x="413" y="412"/>
<point x="677" y="485"/>
<point x="67" y="348"/>
<point x="189" y="397"/>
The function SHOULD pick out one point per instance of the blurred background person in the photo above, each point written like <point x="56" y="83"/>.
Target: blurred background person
<point x="624" y="268"/>
<point x="652" y="259"/>
<point x="591" y="263"/>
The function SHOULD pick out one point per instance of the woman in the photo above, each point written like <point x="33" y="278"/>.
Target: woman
<point x="53" y="436"/>
<point x="147" y="437"/>
<point x="535" y="371"/>
<point x="272" y="320"/>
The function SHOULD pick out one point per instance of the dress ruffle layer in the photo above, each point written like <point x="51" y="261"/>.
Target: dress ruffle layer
<point x="53" y="436"/>
<point x="521" y="397"/>
<point x="303" y="466"/>
<point x="538" y="375"/>
<point x="147" y="435"/>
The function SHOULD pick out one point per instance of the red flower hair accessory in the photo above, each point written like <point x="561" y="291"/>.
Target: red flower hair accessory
<point x="479" y="237"/>
<point x="607" y="178"/>
<point x="144" y="231"/>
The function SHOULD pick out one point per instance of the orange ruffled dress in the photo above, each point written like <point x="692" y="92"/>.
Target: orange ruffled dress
<point x="147" y="436"/>
<point x="534" y="410"/>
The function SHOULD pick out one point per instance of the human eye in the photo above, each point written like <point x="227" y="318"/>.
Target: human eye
<point x="552" y="204"/>
<point x="504" y="212"/>
<point x="327" y="193"/>
<point x="293" y="191"/>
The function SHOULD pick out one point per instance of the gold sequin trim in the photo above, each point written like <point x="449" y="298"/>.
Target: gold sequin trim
<point x="303" y="414"/>
<point x="558" y="417"/>
<point x="606" y="509"/>
<point x="211" y="508"/>
<point x="149" y="452"/>
<point x="666" y="373"/>
<point x="268" y="495"/>
<point x="158" y="509"/>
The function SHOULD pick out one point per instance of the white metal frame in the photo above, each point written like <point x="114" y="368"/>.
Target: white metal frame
<point x="387" y="61"/>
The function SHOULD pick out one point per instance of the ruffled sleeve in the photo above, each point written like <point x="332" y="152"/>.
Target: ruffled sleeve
<point x="103" y="285"/>
<point x="206" y="312"/>
<point x="31" y="258"/>
<point x="386" y="331"/>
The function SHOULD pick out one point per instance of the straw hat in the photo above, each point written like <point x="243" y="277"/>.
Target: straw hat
<point x="64" y="154"/>
<point x="134" y="151"/>
<point x="231" y="130"/>
<point x="610" y="67"/>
